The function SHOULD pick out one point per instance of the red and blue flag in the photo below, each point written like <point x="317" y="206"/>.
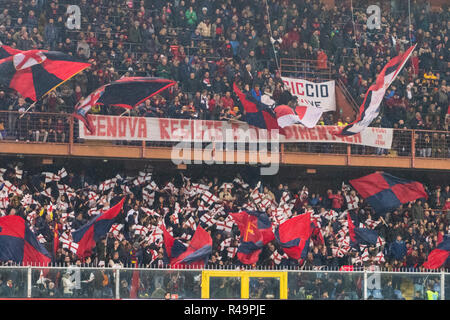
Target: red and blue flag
<point x="19" y="244"/>
<point x="370" y="108"/>
<point x="256" y="231"/>
<point x="439" y="256"/>
<point x="361" y="235"/>
<point x="257" y="114"/>
<point x="385" y="192"/>
<point x="87" y="236"/>
<point x="35" y="73"/>
<point x="294" y="235"/>
<point x="195" y="254"/>
<point x="126" y="93"/>
<point x="7" y="51"/>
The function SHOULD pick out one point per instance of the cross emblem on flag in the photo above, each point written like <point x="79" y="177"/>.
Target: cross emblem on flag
<point x="265" y="204"/>
<point x="209" y="198"/>
<point x="207" y="219"/>
<point x="331" y="214"/>
<point x="352" y="202"/>
<point x="27" y="59"/>
<point x="191" y="223"/>
<point x="380" y="242"/>
<point x="115" y="228"/>
<point x="256" y="196"/>
<point x="8" y="187"/>
<point x="371" y="224"/>
<point x="4" y="199"/>
<point x="225" y="244"/>
<point x="47" y="192"/>
<point x="31" y="217"/>
<point x="68" y="215"/>
<point x="140" y="230"/>
<point x="379" y="258"/>
<point x="277" y="257"/>
<point x="71" y="246"/>
<point x="174" y="217"/>
<point x="285" y="198"/>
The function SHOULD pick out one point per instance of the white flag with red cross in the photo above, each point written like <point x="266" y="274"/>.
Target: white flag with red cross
<point x="140" y="230"/>
<point x="70" y="245"/>
<point x="371" y="224"/>
<point x="207" y="219"/>
<point x="278" y="257"/>
<point x="209" y="198"/>
<point x="115" y="229"/>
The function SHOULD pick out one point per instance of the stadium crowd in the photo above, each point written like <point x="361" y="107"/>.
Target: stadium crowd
<point x="207" y="45"/>
<point x="69" y="200"/>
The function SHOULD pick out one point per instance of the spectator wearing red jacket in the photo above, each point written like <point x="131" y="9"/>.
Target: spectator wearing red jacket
<point x="337" y="200"/>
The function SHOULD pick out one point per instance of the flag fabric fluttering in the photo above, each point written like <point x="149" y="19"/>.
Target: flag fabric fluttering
<point x="195" y="254"/>
<point x="256" y="231"/>
<point x="294" y="234"/>
<point x="35" y="73"/>
<point x="307" y="116"/>
<point x="385" y="192"/>
<point x="126" y="93"/>
<point x="19" y="244"/>
<point x="439" y="256"/>
<point x="87" y="236"/>
<point x="370" y="108"/>
<point x="7" y="51"/>
<point x="257" y="114"/>
<point x="361" y="235"/>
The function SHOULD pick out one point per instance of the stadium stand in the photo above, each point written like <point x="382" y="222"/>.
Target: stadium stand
<point x="206" y="46"/>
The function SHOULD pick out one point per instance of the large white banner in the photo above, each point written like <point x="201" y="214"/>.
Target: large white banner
<point x="159" y="129"/>
<point x="320" y="95"/>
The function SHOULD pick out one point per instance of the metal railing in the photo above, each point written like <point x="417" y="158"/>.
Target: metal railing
<point x="305" y="69"/>
<point x="75" y="282"/>
<point x="37" y="127"/>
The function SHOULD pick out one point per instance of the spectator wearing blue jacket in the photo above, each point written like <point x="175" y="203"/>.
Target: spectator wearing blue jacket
<point x="256" y="93"/>
<point x="398" y="249"/>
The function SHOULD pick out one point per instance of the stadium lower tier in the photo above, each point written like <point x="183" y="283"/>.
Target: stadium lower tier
<point x="95" y="283"/>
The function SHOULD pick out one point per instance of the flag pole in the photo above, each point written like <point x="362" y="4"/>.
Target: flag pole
<point x="26" y="111"/>
<point x="126" y="111"/>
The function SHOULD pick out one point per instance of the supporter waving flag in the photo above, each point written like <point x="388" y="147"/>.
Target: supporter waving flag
<point x="370" y="107"/>
<point x="35" y="73"/>
<point x="385" y="192"/>
<point x="294" y="234"/>
<point x="90" y="233"/>
<point x="440" y="256"/>
<point x="256" y="231"/>
<point x="126" y="93"/>
<point x="19" y="244"/>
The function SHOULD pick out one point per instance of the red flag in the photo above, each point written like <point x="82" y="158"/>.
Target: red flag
<point x="256" y="231"/>
<point x="436" y="258"/>
<point x="134" y="283"/>
<point x="293" y="235"/>
<point x="439" y="256"/>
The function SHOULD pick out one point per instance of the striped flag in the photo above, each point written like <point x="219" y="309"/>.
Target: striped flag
<point x="370" y="108"/>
